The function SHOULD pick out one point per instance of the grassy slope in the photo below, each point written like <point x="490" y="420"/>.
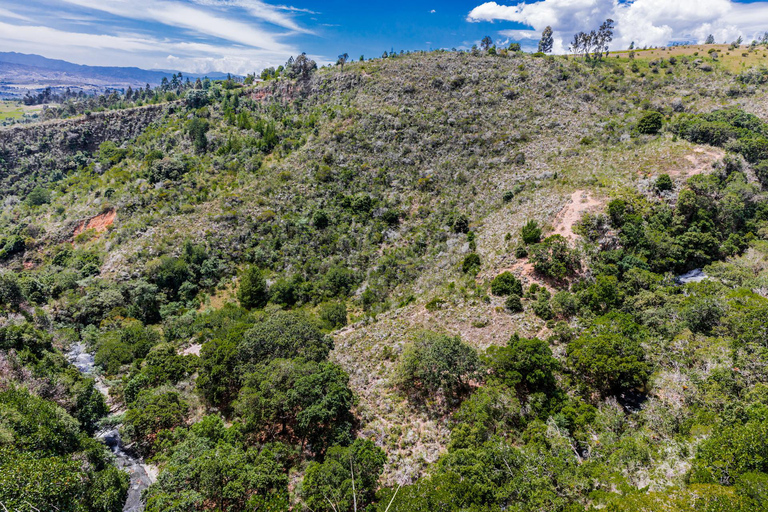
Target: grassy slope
<point x="446" y="118"/>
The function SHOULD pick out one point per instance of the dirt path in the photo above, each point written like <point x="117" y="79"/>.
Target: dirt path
<point x="580" y="203"/>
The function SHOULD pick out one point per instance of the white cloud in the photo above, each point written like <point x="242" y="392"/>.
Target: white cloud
<point x="136" y="50"/>
<point x="277" y="15"/>
<point x="179" y="15"/>
<point x="646" y="22"/>
<point x="5" y="13"/>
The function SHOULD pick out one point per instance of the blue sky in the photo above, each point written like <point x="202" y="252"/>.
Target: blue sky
<point x="247" y="35"/>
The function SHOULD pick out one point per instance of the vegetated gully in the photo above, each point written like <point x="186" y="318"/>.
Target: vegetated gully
<point x="141" y="476"/>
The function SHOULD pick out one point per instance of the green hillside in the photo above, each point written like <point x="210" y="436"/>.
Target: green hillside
<point x="435" y="281"/>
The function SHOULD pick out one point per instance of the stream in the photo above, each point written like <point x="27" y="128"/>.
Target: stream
<point x="141" y="478"/>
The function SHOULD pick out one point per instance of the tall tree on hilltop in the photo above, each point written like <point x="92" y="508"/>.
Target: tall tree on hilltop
<point x="343" y="58"/>
<point x="710" y="39"/>
<point x="546" y="42"/>
<point x="486" y="43"/>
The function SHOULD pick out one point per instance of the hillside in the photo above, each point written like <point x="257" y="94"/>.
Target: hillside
<point x="22" y="73"/>
<point x="453" y="272"/>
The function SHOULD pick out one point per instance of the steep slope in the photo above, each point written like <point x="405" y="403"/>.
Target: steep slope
<point x="399" y="188"/>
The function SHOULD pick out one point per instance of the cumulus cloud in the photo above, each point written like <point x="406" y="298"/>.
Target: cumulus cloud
<point x="646" y="22"/>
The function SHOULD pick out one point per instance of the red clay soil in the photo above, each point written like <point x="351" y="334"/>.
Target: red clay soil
<point x="99" y="223"/>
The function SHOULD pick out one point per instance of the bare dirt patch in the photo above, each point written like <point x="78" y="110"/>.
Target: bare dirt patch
<point x="99" y="223"/>
<point x="700" y="161"/>
<point x="580" y="203"/>
<point x="193" y="349"/>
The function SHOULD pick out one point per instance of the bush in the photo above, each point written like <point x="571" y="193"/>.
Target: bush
<point x="761" y="171"/>
<point x="334" y="314"/>
<point x="531" y="232"/>
<point x="650" y="123"/>
<point x="609" y="356"/>
<point x="253" y="291"/>
<point x="363" y="462"/>
<point x="39" y="196"/>
<point x="506" y="284"/>
<point x="461" y="224"/>
<point x="553" y="258"/>
<point x="514" y="304"/>
<point x="471" y="264"/>
<point x="307" y="401"/>
<point x="437" y="363"/>
<point x="524" y="364"/>
<point x="664" y="183"/>
<point x="284" y="335"/>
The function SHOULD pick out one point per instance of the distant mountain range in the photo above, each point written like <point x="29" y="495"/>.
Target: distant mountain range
<point x="21" y="73"/>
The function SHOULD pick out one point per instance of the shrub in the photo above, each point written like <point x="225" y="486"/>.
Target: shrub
<point x="761" y="171"/>
<point x="531" y="232"/>
<point x="524" y="364"/>
<point x="283" y="335"/>
<point x="506" y="284"/>
<point x="362" y="462"/>
<point x="514" y="304"/>
<point x="334" y="314"/>
<point x="609" y="356"/>
<point x="471" y="264"/>
<point x="253" y="291"/>
<point x="437" y="363"/>
<point x="553" y="258"/>
<point x="650" y="123"/>
<point x="39" y="196"/>
<point x="461" y="224"/>
<point x="664" y="183"/>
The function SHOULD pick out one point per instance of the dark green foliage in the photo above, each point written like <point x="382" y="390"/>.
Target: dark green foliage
<point x="39" y="196"/>
<point x="471" y="264"/>
<point x="217" y="379"/>
<point x="609" y="356"/>
<point x="196" y="129"/>
<point x="209" y="468"/>
<point x="514" y="304"/>
<point x="461" y="224"/>
<point x="299" y="400"/>
<point x="731" y="452"/>
<point x="531" y="232"/>
<point x="253" y="291"/>
<point x="153" y="411"/>
<point x="650" y="123"/>
<point x="328" y="486"/>
<point x="664" y="183"/>
<point x="11" y="246"/>
<point x="47" y="461"/>
<point x="334" y="314"/>
<point x="524" y="364"/>
<point x="554" y="259"/>
<point x="435" y="363"/>
<point x="761" y="171"/>
<point x="284" y="335"/>
<point x="506" y="284"/>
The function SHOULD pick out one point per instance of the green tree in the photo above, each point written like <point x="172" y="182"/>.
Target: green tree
<point x="650" y="123"/>
<point x="436" y="363"/>
<point x="609" y="357"/>
<point x="346" y="480"/>
<point x="531" y="232"/>
<point x="524" y="364"/>
<point x="153" y="411"/>
<point x="284" y="335"/>
<point x="506" y="284"/>
<point x="253" y="291"/>
<point x="293" y="397"/>
<point x="546" y="42"/>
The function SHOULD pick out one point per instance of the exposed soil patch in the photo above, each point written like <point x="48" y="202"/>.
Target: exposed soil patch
<point x="99" y="223"/>
<point x="581" y="202"/>
<point x="192" y="350"/>
<point x="700" y="161"/>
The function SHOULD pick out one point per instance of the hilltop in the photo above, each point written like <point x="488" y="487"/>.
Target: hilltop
<point x="518" y="219"/>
